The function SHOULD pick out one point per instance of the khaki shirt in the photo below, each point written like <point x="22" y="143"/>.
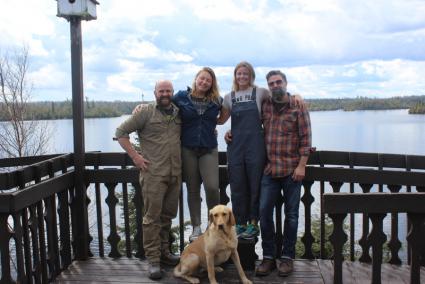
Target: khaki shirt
<point x="159" y="139"/>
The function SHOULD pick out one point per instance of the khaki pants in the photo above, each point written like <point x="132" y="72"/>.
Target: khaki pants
<point x="196" y="170"/>
<point x="160" y="199"/>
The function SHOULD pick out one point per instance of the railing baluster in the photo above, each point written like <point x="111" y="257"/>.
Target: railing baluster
<point x="377" y="239"/>
<point x="223" y="183"/>
<point x="113" y="238"/>
<point x="42" y="240"/>
<point x="394" y="244"/>
<point x="27" y="245"/>
<point x="338" y="239"/>
<point x="307" y="238"/>
<point x="89" y="236"/>
<point x="65" y="234"/>
<point x="365" y="257"/>
<point x="352" y="219"/>
<point x="21" y="277"/>
<point x="323" y="254"/>
<point x="33" y="226"/>
<point x="5" y="236"/>
<point x="415" y="240"/>
<point x="52" y="231"/>
<point x="126" y="220"/>
<point x="138" y="204"/>
<point x="322" y="215"/>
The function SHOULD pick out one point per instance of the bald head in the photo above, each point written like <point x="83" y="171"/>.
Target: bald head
<point x="163" y="83"/>
<point x="163" y="93"/>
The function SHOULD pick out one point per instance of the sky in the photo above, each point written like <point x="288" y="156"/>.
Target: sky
<point x="327" y="48"/>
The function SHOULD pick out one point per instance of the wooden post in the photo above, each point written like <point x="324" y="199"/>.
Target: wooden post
<point x="80" y="236"/>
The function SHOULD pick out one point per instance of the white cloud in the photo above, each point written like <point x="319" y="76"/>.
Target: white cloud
<point x="329" y="48"/>
<point x="49" y="76"/>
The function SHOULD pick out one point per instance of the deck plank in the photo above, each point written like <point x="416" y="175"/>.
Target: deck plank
<point x="133" y="270"/>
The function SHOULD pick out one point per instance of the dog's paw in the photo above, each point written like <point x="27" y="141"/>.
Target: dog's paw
<point x="195" y="281"/>
<point x="218" y="269"/>
<point x="246" y="281"/>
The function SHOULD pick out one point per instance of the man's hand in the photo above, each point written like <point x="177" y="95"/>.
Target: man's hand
<point x="298" y="100"/>
<point x="140" y="162"/>
<point x="137" y="109"/>
<point x="228" y="137"/>
<point x="299" y="173"/>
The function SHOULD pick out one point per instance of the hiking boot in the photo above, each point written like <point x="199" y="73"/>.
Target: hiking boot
<point x="154" y="271"/>
<point x="265" y="267"/>
<point x="196" y="232"/>
<point x="251" y="232"/>
<point x="286" y="266"/>
<point x="240" y="229"/>
<point x="169" y="259"/>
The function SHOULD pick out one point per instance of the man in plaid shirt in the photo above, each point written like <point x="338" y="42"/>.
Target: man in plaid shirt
<point x="288" y="142"/>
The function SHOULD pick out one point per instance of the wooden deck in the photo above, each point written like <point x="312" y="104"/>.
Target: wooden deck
<point x="125" y="270"/>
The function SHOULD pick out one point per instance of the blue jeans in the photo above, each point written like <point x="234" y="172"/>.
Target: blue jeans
<point x="270" y="191"/>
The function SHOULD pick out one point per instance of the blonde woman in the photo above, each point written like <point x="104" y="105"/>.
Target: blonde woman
<point x="246" y="152"/>
<point x="199" y="108"/>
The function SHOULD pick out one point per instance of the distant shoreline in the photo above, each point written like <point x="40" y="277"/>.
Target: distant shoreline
<point x="49" y="110"/>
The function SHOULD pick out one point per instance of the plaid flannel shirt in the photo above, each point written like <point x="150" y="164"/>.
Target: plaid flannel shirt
<point x="287" y="136"/>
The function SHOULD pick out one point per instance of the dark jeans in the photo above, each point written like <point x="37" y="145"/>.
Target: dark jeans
<point x="270" y="191"/>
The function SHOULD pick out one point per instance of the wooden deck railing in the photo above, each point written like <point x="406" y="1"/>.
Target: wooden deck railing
<point x="377" y="206"/>
<point x="38" y="213"/>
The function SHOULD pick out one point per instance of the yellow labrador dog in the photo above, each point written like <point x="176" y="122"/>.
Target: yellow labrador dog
<point x="214" y="247"/>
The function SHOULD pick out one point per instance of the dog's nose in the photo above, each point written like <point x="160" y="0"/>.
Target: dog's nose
<point x="221" y="226"/>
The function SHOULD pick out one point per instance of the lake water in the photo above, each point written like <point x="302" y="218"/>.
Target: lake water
<point x="388" y="131"/>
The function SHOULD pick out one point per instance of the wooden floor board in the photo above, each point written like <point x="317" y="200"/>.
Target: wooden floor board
<point x="133" y="270"/>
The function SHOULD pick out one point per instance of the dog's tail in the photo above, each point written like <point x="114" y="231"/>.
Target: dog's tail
<point x="177" y="271"/>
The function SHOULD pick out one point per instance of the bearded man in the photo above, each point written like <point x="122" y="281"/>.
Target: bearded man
<point x="158" y="127"/>
<point x="288" y="142"/>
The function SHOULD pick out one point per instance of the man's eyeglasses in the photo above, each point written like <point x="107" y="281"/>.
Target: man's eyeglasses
<point x="277" y="82"/>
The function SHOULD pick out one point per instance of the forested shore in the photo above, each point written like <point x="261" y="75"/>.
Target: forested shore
<point x="96" y="109"/>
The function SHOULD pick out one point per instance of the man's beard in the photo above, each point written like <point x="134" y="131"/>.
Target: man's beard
<point x="278" y="95"/>
<point x="163" y="101"/>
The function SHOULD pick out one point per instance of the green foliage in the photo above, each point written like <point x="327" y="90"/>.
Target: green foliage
<point x="418" y="108"/>
<point x="364" y="103"/>
<point x="315" y="231"/>
<point x="63" y="110"/>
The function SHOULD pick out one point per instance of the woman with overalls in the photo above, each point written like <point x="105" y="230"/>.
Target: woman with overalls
<point x="246" y="151"/>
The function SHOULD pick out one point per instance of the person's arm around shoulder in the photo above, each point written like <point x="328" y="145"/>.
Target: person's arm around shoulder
<point x="299" y="101"/>
<point x="224" y="110"/>
<point x="133" y="123"/>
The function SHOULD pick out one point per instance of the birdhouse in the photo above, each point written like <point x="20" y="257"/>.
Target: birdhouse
<point x="85" y="9"/>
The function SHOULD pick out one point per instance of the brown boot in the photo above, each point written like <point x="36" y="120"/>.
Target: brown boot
<point x="169" y="259"/>
<point x="286" y="266"/>
<point x="265" y="267"/>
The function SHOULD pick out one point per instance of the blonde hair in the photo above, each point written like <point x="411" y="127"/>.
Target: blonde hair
<point x="235" y="86"/>
<point x="213" y="93"/>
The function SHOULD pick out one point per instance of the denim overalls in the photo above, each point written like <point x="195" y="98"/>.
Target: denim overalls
<point x="246" y="156"/>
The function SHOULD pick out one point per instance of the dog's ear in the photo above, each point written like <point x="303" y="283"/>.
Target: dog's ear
<point x="232" y="221"/>
<point x="210" y="217"/>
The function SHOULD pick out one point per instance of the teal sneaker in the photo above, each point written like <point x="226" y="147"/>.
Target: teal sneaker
<point x="251" y="232"/>
<point x="240" y="229"/>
